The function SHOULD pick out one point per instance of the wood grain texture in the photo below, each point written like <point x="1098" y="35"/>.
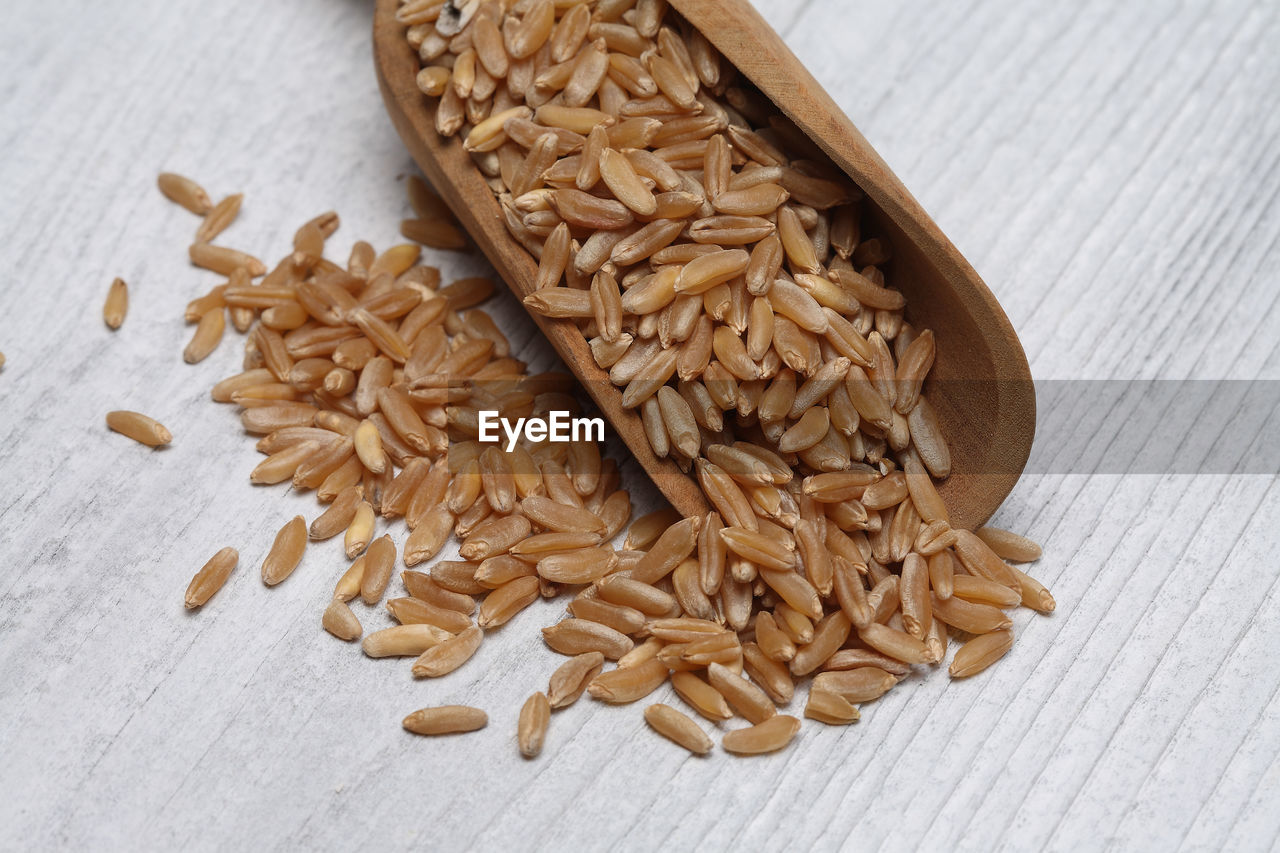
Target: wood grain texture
<point x="1110" y="170"/>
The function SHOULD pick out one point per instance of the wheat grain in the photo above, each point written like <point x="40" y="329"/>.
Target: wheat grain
<point x="550" y="515"/>
<point x="211" y="577"/>
<point x="855" y="658"/>
<point x="980" y="652"/>
<point x="116" y="305"/>
<point x="496" y="571"/>
<point x="982" y="591"/>
<point x="646" y="529"/>
<point x="339" y="514"/>
<point x="139" y="427"/>
<point x="226" y="261"/>
<point x="219" y="218"/>
<point x="701" y="696"/>
<point x="184" y="191"/>
<point x="446" y="719"/>
<point x="885" y="597"/>
<point x="772" y="676"/>
<point x="747" y="699"/>
<point x="577" y="567"/>
<point x="413" y="611"/>
<point x="531" y="729"/>
<point x="646" y="651"/>
<point x="421" y="586"/>
<point x="979" y="559"/>
<point x="1034" y="594"/>
<point x="429" y="536"/>
<point x="404" y="640"/>
<point x="348" y="586"/>
<point x="223" y="391"/>
<point x="578" y="636"/>
<point x="767" y="736"/>
<point x="283" y="464"/>
<point x="495" y="537"/>
<point x="620" y="686"/>
<point x="286" y="552"/>
<point x="458" y="576"/>
<point x="718" y="264"/>
<point x="830" y="708"/>
<point x="775" y="644"/>
<point x="671" y="548"/>
<point x="1009" y="546"/>
<point x="913" y="591"/>
<point x="359" y="531"/>
<point x="861" y="684"/>
<point x="896" y="644"/>
<point x="969" y="616"/>
<point x="507" y="600"/>
<point x="828" y="636"/>
<point x="339" y="621"/>
<point x="447" y="656"/>
<point x="628" y="592"/>
<point x="368" y="446"/>
<point x="380" y="562"/>
<point x="571" y="678"/>
<point x="678" y="728"/>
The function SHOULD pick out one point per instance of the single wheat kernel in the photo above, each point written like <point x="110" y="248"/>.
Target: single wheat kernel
<point x="531" y="730"/>
<point x="404" y="640"/>
<point x="185" y="192"/>
<point x="571" y="678"/>
<point x="339" y="621"/>
<point x="359" y="531"/>
<point x="447" y="656"/>
<point x="139" y="427"/>
<point x="211" y="577"/>
<point x="286" y="552"/>
<point x="767" y="736"/>
<point x="678" y="728"/>
<point x="116" y="305"/>
<point x="980" y="652"/>
<point x="446" y="719"/>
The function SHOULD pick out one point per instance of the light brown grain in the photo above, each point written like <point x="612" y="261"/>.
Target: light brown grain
<point x="830" y="708"/>
<point x="678" y="728"/>
<point x="620" y="686"/>
<point x="980" y="652"/>
<point x="571" y="678"/>
<point x="445" y="720"/>
<point x="339" y="621"/>
<point x="578" y="636"/>
<point x="139" y="427"/>
<point x="184" y="191"/>
<point x="286" y="551"/>
<point x="531" y="728"/>
<point x="211" y="577"/>
<point x="767" y="736"/>
<point x="379" y="563"/>
<point x="116" y="305"/>
<point x="404" y="640"/>
<point x="447" y="656"/>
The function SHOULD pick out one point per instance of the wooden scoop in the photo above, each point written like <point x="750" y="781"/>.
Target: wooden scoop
<point x="980" y="385"/>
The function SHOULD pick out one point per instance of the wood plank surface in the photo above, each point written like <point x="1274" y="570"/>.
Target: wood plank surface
<point x="1111" y="170"/>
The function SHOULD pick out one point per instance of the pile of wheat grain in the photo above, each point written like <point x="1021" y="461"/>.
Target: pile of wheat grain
<point x="716" y="263"/>
<point x="365" y="381"/>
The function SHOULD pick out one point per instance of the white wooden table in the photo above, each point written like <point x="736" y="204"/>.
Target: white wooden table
<point x="1111" y="170"/>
